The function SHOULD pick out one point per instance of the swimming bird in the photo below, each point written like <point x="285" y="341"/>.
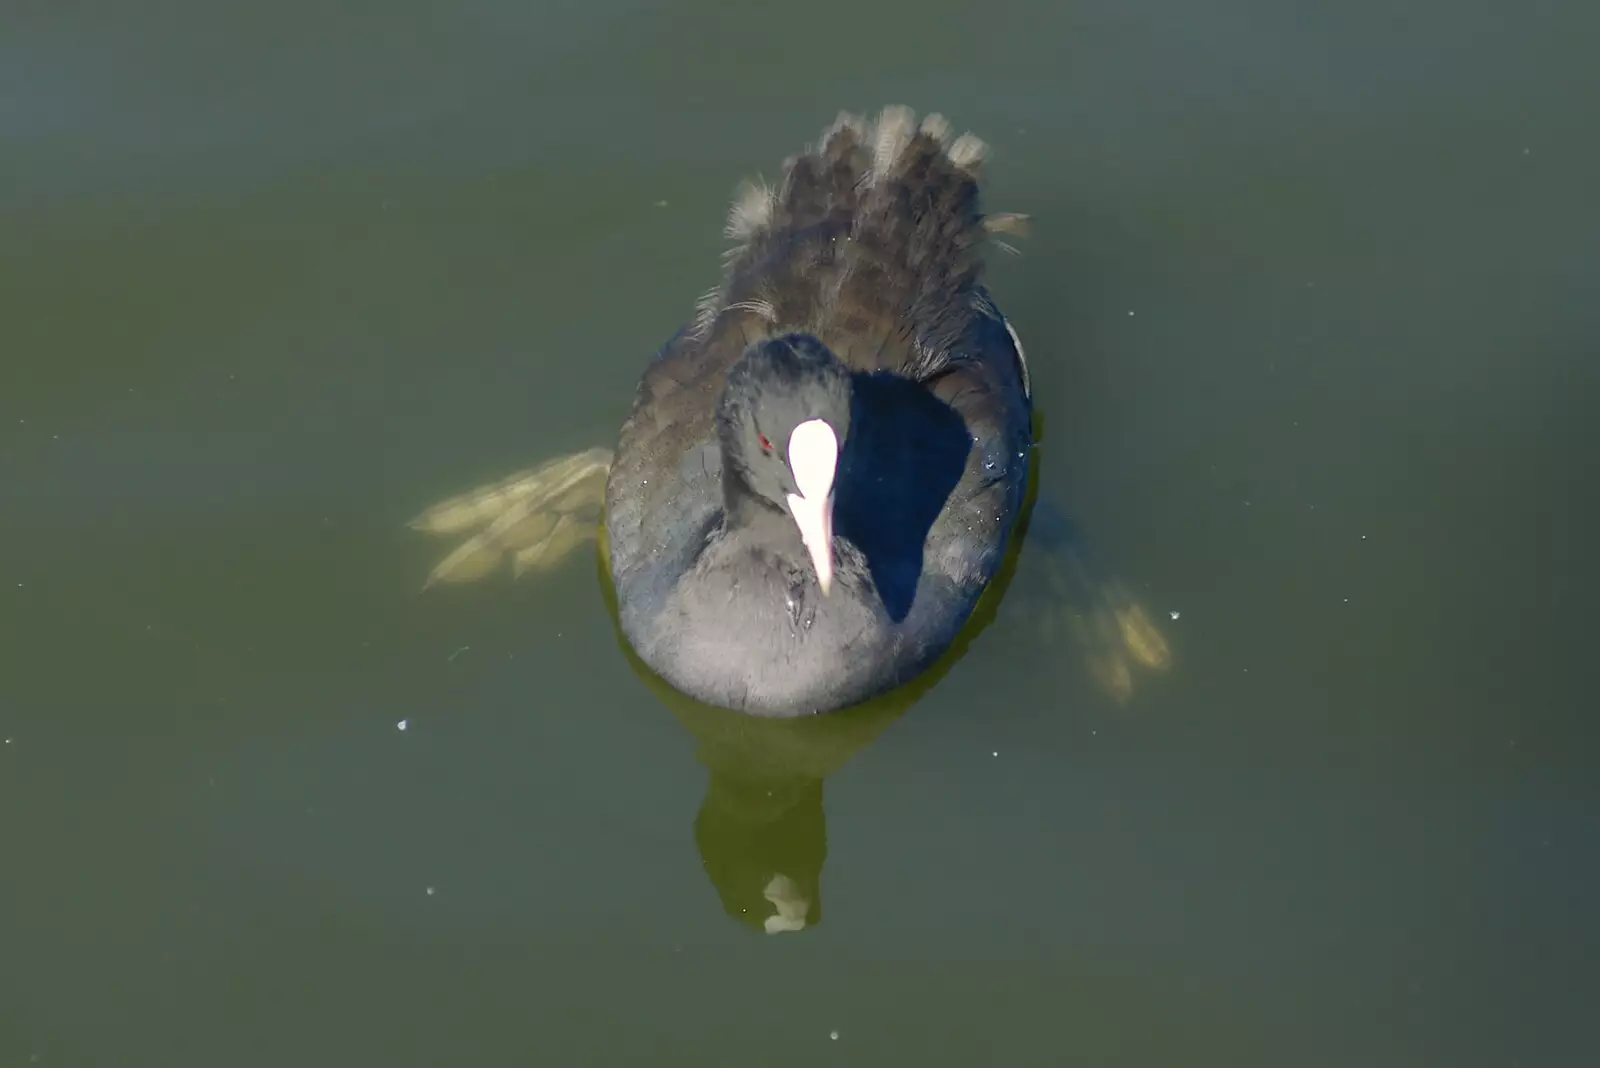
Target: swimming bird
<point x="820" y="472"/>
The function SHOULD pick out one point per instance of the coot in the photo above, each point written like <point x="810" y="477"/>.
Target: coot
<point x="819" y="474"/>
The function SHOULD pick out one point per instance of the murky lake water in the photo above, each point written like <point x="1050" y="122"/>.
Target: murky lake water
<point x="1310" y="309"/>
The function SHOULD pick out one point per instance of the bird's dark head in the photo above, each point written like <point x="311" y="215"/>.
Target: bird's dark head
<point x="783" y="421"/>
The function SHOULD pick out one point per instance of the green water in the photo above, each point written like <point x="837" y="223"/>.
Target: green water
<point x="1309" y="305"/>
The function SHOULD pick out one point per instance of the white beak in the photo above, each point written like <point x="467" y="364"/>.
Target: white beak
<point x="813" y="455"/>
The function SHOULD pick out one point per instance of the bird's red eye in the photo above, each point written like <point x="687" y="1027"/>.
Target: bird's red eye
<point x="765" y="444"/>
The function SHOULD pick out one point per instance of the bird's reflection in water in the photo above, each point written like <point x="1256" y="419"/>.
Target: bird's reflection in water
<point x="763" y="843"/>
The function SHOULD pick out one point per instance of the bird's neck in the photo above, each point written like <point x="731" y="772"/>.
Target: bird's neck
<point x="746" y="511"/>
<point x="743" y="506"/>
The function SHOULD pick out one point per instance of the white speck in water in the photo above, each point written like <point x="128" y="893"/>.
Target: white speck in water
<point x="1174" y="613"/>
<point x="430" y="891"/>
<point x="995" y="753"/>
<point x="1130" y="315"/>
<point x="1347" y="600"/>
<point x="1363" y="537"/>
<point x="8" y="741"/>
<point x="834" y="1035"/>
<point x="401" y="725"/>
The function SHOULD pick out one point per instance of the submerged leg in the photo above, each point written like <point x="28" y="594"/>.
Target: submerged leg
<point x="536" y="517"/>
<point x="1113" y="633"/>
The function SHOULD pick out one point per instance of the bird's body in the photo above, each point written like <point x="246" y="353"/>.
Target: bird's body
<point x="819" y="475"/>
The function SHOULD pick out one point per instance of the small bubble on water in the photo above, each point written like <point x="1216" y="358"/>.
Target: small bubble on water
<point x="834" y="1035"/>
<point x="430" y="891"/>
<point x="401" y="725"/>
<point x="1174" y="613"/>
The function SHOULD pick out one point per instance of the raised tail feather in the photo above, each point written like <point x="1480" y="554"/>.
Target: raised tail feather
<point x="878" y="220"/>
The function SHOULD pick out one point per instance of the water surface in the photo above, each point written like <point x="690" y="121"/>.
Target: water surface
<point x="1309" y="308"/>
